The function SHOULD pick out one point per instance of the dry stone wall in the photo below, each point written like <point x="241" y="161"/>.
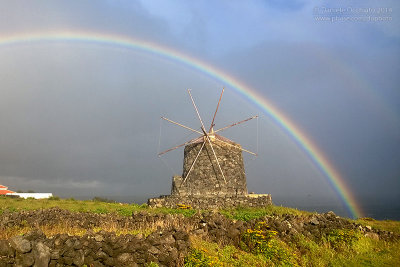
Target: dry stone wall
<point x="211" y="202"/>
<point x="166" y="246"/>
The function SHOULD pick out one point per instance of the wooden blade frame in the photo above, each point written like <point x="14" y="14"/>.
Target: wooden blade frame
<point x="183" y="126"/>
<point x="194" y="161"/>
<point x="215" y="155"/>
<point x="215" y="114"/>
<point x="197" y="111"/>
<point x="206" y="136"/>
<point x="178" y="146"/>
<point x="234" y="124"/>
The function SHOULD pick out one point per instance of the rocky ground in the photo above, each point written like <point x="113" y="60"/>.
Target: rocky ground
<point x="166" y="244"/>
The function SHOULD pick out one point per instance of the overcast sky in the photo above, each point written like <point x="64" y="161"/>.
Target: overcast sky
<point x="79" y="119"/>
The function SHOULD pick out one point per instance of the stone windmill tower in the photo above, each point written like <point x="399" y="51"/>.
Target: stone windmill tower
<point x="212" y="168"/>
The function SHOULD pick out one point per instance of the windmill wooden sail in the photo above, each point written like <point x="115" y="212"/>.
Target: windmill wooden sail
<point x="213" y="165"/>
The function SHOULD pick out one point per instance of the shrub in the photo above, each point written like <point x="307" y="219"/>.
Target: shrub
<point x="342" y="238"/>
<point x="151" y="264"/>
<point x="12" y="209"/>
<point x="197" y="257"/>
<point x="184" y="207"/>
<point x="257" y="239"/>
<point x="244" y="214"/>
<point x="54" y="198"/>
<point x="103" y="199"/>
<point x="261" y="240"/>
<point x="125" y="211"/>
<point x="101" y="210"/>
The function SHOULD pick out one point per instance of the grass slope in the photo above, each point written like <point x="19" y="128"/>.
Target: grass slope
<point x="261" y="247"/>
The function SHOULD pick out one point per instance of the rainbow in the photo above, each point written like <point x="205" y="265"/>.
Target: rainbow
<point x="316" y="156"/>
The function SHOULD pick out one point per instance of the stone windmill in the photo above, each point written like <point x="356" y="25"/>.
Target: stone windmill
<point x="213" y="168"/>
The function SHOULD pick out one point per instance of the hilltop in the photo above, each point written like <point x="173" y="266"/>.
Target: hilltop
<point x="69" y="232"/>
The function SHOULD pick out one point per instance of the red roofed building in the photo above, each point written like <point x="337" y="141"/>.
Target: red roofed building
<point x="4" y="190"/>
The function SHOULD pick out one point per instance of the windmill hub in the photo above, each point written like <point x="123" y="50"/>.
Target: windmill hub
<point x="213" y="171"/>
<point x="211" y="134"/>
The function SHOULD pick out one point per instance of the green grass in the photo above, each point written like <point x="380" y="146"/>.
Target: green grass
<point x="303" y="252"/>
<point x="247" y="214"/>
<point x="206" y="253"/>
<point x="19" y="204"/>
<point x="337" y="248"/>
<point x="94" y="206"/>
<point x="364" y="252"/>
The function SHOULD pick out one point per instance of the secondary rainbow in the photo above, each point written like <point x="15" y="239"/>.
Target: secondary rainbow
<point x="319" y="159"/>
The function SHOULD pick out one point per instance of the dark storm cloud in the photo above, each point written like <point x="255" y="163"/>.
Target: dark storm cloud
<point x="353" y="119"/>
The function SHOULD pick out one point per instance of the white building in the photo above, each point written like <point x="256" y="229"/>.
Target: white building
<point x="32" y="195"/>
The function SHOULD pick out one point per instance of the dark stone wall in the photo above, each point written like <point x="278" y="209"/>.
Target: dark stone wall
<point x="165" y="248"/>
<point x="205" y="178"/>
<point x="212" y="202"/>
<point x="167" y="245"/>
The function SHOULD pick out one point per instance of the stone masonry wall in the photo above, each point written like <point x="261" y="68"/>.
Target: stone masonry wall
<point x="205" y="178"/>
<point x="205" y="187"/>
<point x="212" y="202"/>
